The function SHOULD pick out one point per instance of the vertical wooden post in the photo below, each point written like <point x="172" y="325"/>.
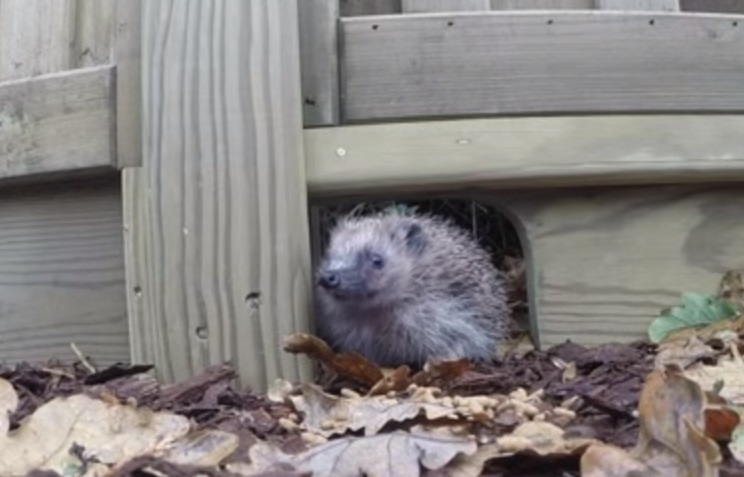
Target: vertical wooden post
<point x="218" y="240"/>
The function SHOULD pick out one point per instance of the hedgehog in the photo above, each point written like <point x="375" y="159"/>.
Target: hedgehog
<point x="409" y="289"/>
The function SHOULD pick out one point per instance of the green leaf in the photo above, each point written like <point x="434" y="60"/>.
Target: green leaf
<point x="696" y="311"/>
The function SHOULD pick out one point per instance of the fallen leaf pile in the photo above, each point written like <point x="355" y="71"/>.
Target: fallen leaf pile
<point x="670" y="406"/>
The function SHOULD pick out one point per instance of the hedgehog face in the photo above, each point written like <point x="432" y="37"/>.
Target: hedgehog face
<point x="368" y="262"/>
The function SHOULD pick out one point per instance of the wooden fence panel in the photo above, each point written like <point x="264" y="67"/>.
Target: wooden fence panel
<point x="539" y="62"/>
<point x="61" y="246"/>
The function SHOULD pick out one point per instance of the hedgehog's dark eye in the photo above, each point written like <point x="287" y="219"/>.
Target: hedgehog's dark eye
<point x="376" y="260"/>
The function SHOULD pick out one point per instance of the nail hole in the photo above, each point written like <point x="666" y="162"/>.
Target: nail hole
<point x="651" y="22"/>
<point x="375" y="27"/>
<point x="735" y="24"/>
<point x="201" y="332"/>
<point x="449" y="24"/>
<point x="550" y="22"/>
<point x="252" y="300"/>
<point x="137" y="290"/>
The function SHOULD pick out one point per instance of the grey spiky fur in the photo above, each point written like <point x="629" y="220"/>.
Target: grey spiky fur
<point x="438" y="294"/>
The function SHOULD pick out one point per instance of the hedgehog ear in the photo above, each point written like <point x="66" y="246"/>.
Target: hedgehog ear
<point x="413" y="235"/>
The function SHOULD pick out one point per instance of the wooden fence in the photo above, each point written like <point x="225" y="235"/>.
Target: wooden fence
<point x="158" y="158"/>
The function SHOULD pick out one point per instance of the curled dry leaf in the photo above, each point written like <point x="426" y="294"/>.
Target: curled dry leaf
<point x="349" y="365"/>
<point x="720" y="423"/>
<point x="397" y="379"/>
<point x="439" y="373"/>
<point x="204" y="448"/>
<point x="8" y="404"/>
<point x="671" y="438"/>
<point x="377" y="379"/>
<point x="729" y="370"/>
<point x="112" y="433"/>
<point x="682" y="352"/>
<point x="391" y="455"/>
<point x="327" y="415"/>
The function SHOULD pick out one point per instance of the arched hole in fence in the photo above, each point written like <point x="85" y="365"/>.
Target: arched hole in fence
<point x="495" y="229"/>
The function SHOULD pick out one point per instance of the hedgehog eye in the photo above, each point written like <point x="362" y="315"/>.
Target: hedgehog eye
<point x="377" y="260"/>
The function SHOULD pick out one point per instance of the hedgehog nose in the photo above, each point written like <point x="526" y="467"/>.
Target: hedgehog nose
<point x="329" y="280"/>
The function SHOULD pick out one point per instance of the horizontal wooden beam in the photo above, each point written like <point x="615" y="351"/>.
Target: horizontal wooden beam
<point x="57" y="124"/>
<point x="525" y="152"/>
<point x="485" y="63"/>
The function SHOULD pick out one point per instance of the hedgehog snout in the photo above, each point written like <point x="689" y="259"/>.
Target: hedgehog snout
<point x="329" y="279"/>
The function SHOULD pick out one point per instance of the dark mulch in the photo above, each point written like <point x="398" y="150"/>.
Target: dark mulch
<point x="608" y="381"/>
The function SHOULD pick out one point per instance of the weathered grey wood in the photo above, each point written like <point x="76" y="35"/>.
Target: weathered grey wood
<point x="217" y="223"/>
<point x="630" y="5"/>
<point x="62" y="272"/>
<point x="127" y="55"/>
<point x="525" y="152"/>
<point x="352" y="8"/>
<point x="36" y="37"/>
<point x="319" y="60"/>
<point x="539" y="62"/>
<point x="712" y="6"/>
<point x="542" y="4"/>
<point x="426" y="6"/>
<point x="94" y="32"/>
<point x="56" y="123"/>
<point x="605" y="261"/>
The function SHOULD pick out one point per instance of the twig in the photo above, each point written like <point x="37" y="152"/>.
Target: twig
<point x="83" y="360"/>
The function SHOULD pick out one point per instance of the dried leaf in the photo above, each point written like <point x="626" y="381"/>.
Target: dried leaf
<point x="350" y="365"/>
<point x="8" y="404"/>
<point x="440" y="373"/>
<point x="396" y="454"/>
<point x="727" y="374"/>
<point x="113" y="433"/>
<point x="736" y="446"/>
<point x="682" y="353"/>
<point x="671" y="439"/>
<point x="397" y="379"/>
<point x="327" y="415"/>
<point x="720" y="423"/>
<point x="672" y="426"/>
<point x="205" y="447"/>
<point x="604" y="460"/>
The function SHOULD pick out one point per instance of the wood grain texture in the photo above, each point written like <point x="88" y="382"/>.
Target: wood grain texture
<point x="62" y="272"/>
<point x="219" y="211"/>
<point x="525" y="152"/>
<point x="353" y="8"/>
<point x="637" y="5"/>
<point x="128" y="58"/>
<point x="426" y="6"/>
<point x="318" y="23"/>
<point x="57" y="123"/>
<point x="94" y="32"/>
<point x="712" y="6"/>
<point x="36" y="37"/>
<point x="465" y="64"/>
<point x="542" y="4"/>
<point x="605" y="261"/>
